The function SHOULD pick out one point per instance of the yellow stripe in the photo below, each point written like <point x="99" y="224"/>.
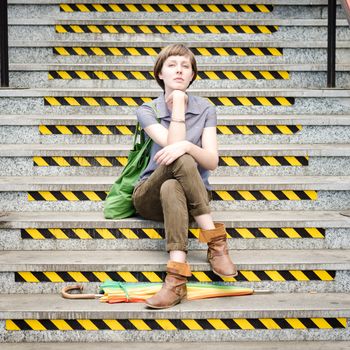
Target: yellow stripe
<point x="268" y="233"/>
<point x="145" y="29"/>
<point x="201" y="276"/>
<point x="114" y="325"/>
<point x="34" y="233"/>
<point x="272" y="161"/>
<point x="269" y="195"/>
<point x="295" y="323"/>
<point x="128" y="29"/>
<point x="229" y="161"/>
<point x="152" y="276"/>
<point x="130" y="234"/>
<point x="311" y="194"/>
<point x="92" y="196"/>
<point x="217" y="324"/>
<point x="28" y="277"/>
<point x="110" y="101"/>
<point x="269" y="323"/>
<point x="62" y="325"/>
<point x="105" y="233"/>
<point x="58" y="233"/>
<point x="39" y="161"/>
<point x="166" y="325"/>
<point x="44" y="130"/>
<point x="291" y="195"/>
<point x="247" y="195"/>
<point x="11" y="326"/>
<point x="53" y="277"/>
<point x="299" y="275"/>
<point x="251" y="161"/>
<point x="224" y="130"/>
<point x="250" y="276"/>
<point x="245" y="101"/>
<point x="192" y="324"/>
<point x="88" y="325"/>
<point x="152" y="233"/>
<point x="82" y="161"/>
<point x="132" y="8"/>
<point x="127" y="276"/>
<point x="80" y="51"/>
<point x="291" y="232"/>
<point x="293" y="161"/>
<point x="62" y="51"/>
<point x="81" y="233"/>
<point x="66" y="8"/>
<point x="70" y="196"/>
<point x="140" y="325"/>
<point x="111" y="29"/>
<point x="245" y="233"/>
<point x="124" y="129"/>
<point x="275" y="276"/>
<point x="52" y="101"/>
<point x="321" y="323"/>
<point x="78" y="276"/>
<point x="283" y="101"/>
<point x="224" y="195"/>
<point x="129" y="101"/>
<point x="323" y="275"/>
<point x="103" y="161"/>
<point x="64" y="130"/>
<point x="243" y="323"/>
<point x="314" y="232"/>
<point x="102" y="276"/>
<point x="35" y="325"/>
<point x="48" y="196"/>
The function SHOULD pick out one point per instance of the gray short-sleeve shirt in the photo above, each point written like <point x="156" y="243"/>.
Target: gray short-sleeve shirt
<point x="200" y="114"/>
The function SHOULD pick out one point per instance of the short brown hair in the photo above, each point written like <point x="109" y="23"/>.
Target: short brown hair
<point x="174" y="50"/>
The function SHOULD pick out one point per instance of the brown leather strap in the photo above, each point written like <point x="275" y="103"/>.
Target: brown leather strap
<point x="182" y="269"/>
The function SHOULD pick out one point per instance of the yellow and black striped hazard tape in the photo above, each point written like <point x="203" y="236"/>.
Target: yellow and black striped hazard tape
<point x="195" y="324"/>
<point x="130" y="129"/>
<point x="138" y="101"/>
<point x="167" y="29"/>
<point x="144" y="75"/>
<point x="164" y="7"/>
<point x="217" y="195"/>
<point x="159" y="233"/>
<point x="159" y="276"/>
<point x="121" y="161"/>
<point x="154" y="51"/>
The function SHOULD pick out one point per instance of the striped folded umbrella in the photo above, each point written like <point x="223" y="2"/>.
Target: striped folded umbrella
<point x="122" y="292"/>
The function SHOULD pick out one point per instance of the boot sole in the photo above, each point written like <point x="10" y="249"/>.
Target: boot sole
<point x="218" y="274"/>
<point x="165" y="307"/>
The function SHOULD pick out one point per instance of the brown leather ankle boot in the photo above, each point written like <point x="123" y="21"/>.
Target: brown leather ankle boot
<point x="174" y="287"/>
<point x="218" y="255"/>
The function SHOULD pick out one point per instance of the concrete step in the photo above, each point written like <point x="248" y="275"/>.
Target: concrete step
<point x="251" y="79"/>
<point x="95" y="159"/>
<point x="246" y="230"/>
<point x="272" y="345"/>
<point x="255" y="193"/>
<point x="119" y="100"/>
<point x="294" y="311"/>
<point x="130" y="119"/>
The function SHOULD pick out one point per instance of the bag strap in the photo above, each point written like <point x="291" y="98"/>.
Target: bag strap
<point x="140" y="131"/>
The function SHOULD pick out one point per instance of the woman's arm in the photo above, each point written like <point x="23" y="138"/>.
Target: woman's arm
<point x="206" y="156"/>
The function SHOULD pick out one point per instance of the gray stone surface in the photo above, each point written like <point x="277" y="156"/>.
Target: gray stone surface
<point x="129" y="260"/>
<point x="275" y="345"/>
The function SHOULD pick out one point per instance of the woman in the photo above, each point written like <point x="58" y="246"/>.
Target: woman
<point x="174" y="187"/>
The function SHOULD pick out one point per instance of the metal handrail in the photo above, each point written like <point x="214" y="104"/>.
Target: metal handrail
<point x="331" y="46"/>
<point x="4" y="48"/>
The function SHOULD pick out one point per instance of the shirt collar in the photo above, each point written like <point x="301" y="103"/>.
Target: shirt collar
<point x="192" y="106"/>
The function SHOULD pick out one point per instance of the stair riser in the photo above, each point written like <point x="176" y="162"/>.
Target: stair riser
<point x="334" y="239"/>
<point x="296" y="80"/>
<point x="294" y="135"/>
<point x="48" y="32"/>
<point x="13" y="166"/>
<point x="340" y="284"/>
<point x="301" y="105"/>
<point x="39" y="11"/>
<point x="327" y="200"/>
<point x="34" y="55"/>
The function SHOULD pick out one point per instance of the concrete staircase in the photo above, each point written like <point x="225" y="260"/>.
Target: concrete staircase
<point x="78" y="71"/>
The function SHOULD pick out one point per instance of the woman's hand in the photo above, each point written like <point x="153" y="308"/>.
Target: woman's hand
<point x="170" y="153"/>
<point x="177" y="96"/>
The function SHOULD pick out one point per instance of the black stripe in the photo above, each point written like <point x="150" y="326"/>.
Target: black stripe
<point x="287" y="275"/>
<point x="153" y="324"/>
<point x="74" y="324"/>
<point x="283" y="323"/>
<point x="22" y="324"/>
<point x="100" y="324"/>
<point x="256" y="323"/>
<point x="40" y="276"/>
<point x="19" y="278"/>
<point x="204" y="323"/>
<point x="49" y="325"/>
<point x="127" y="324"/>
<point x="230" y="323"/>
<point x="307" y="322"/>
<point x="25" y="234"/>
<point x="294" y="128"/>
<point x="334" y="322"/>
<point x="35" y="195"/>
<point x="262" y="275"/>
<point x="66" y="276"/>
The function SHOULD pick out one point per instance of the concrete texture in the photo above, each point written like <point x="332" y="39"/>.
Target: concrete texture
<point x="178" y="346"/>
<point x="155" y="261"/>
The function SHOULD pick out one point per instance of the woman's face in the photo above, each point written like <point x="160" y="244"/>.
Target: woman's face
<point x="176" y="73"/>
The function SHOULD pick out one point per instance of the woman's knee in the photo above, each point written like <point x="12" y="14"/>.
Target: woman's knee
<point x="170" y="188"/>
<point x="186" y="162"/>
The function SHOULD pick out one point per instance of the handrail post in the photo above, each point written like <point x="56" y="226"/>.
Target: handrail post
<point x="4" y="52"/>
<point x="332" y="8"/>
